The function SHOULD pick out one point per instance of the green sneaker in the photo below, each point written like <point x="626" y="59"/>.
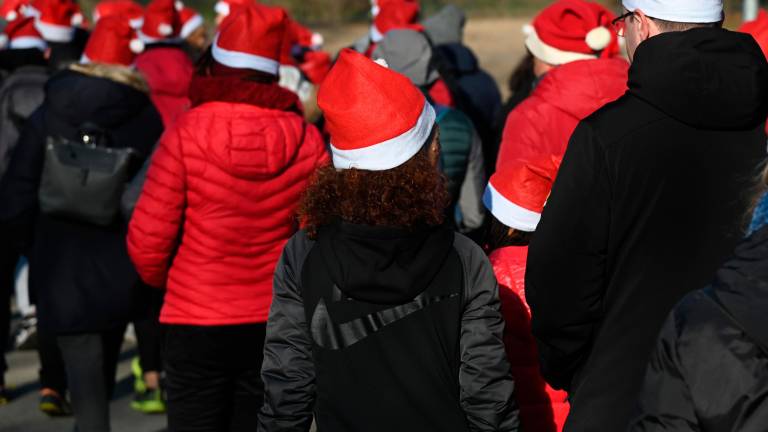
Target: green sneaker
<point x="138" y="377"/>
<point x="149" y="402"/>
<point x="54" y="404"/>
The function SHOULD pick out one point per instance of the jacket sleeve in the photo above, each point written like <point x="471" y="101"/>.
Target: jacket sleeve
<point x="485" y="378"/>
<point x="566" y="269"/>
<point x="471" y="194"/>
<point x="666" y="403"/>
<point x="315" y="139"/>
<point x="154" y="230"/>
<point x="288" y="370"/>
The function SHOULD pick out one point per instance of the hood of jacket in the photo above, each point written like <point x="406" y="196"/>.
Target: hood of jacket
<point x="741" y="286"/>
<point x="581" y="87"/>
<point x="168" y="70"/>
<point x="458" y="58"/>
<point x="446" y="26"/>
<point x="409" y="53"/>
<point x="707" y="78"/>
<point x="103" y="95"/>
<point x="383" y="265"/>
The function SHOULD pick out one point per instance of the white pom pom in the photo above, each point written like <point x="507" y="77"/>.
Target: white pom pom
<point x="317" y="40"/>
<point x="527" y="30"/>
<point x="382" y="62"/>
<point x="11" y="16"/>
<point x="598" y="38"/>
<point x="179" y="6"/>
<point x="77" y="19"/>
<point x="165" y="29"/>
<point x="136" y="46"/>
<point x="3" y="40"/>
<point x="221" y="8"/>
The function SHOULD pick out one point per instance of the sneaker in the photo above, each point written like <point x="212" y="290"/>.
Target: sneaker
<point x="149" y="402"/>
<point x="4" y="398"/>
<point x="26" y="335"/>
<point x="138" y="377"/>
<point x="53" y="404"/>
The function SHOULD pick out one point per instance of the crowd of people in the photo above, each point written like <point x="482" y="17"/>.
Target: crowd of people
<point x="591" y="255"/>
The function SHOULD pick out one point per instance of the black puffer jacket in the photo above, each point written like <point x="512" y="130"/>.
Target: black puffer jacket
<point x="651" y="198"/>
<point x="80" y="274"/>
<point x="709" y="372"/>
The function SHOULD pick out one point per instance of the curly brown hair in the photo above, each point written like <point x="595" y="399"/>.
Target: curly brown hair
<point x="413" y="194"/>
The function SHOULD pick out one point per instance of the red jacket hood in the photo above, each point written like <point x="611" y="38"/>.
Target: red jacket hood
<point x="580" y="88"/>
<point x="168" y="70"/>
<point x="250" y="142"/>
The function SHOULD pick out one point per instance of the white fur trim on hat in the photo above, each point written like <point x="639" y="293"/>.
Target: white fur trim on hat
<point x="376" y="35"/>
<point x="222" y="8"/>
<point x="241" y="60"/>
<point x="53" y="32"/>
<point x="509" y="213"/>
<point x="598" y="38"/>
<point x="683" y="11"/>
<point x="136" y="46"/>
<point x="550" y="54"/>
<point x="84" y="59"/>
<point x="190" y="26"/>
<point x="391" y="153"/>
<point x="26" y="42"/>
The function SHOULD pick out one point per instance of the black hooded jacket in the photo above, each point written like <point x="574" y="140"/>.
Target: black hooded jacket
<point x="709" y="372"/>
<point x="80" y="274"/>
<point x="384" y="329"/>
<point x="651" y="198"/>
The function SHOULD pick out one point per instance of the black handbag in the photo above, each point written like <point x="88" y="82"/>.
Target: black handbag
<point x="84" y="180"/>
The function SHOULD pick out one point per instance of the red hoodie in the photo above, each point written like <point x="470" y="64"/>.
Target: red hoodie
<point x="543" y="123"/>
<point x="168" y="71"/>
<point x="220" y="200"/>
<point x="542" y="408"/>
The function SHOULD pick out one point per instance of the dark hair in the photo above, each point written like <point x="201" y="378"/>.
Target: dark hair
<point x="522" y="75"/>
<point x="497" y="235"/>
<point x="413" y="194"/>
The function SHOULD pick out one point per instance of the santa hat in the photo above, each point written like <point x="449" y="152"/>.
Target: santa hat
<point x="22" y="34"/>
<point x="758" y="29"/>
<point x="684" y="11"/>
<point x="114" y="42"/>
<point x="571" y="30"/>
<point x="377" y="119"/>
<point x="377" y="4"/>
<point x="516" y="196"/>
<point x="225" y="7"/>
<point x="56" y="19"/>
<point x="10" y="10"/>
<point x="395" y="15"/>
<point x="191" y="20"/>
<point x="252" y="37"/>
<point x="162" y="22"/>
<point x="129" y="9"/>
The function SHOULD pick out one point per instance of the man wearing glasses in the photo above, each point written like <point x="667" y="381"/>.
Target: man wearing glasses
<point x="652" y="196"/>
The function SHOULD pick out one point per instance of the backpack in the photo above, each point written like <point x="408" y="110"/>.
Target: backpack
<point x="21" y="93"/>
<point x="84" y="180"/>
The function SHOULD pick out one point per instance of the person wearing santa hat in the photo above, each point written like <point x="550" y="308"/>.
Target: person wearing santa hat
<point x="391" y="15"/>
<point x="216" y="209"/>
<point x="573" y="49"/>
<point x="193" y="32"/>
<point x="653" y="195"/>
<point x="164" y="63"/>
<point x="79" y="271"/>
<point x="129" y="9"/>
<point x="383" y="318"/>
<point x="515" y="199"/>
<point x="60" y="23"/>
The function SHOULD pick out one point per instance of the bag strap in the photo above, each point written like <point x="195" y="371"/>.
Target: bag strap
<point x="710" y="292"/>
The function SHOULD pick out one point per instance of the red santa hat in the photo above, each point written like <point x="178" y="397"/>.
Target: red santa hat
<point x="758" y="28"/>
<point x="377" y="119"/>
<point x="10" y="10"/>
<point x="516" y="196"/>
<point x="22" y="34"/>
<point x="162" y="21"/>
<point x="56" y="19"/>
<point x="571" y="30"/>
<point x="395" y="15"/>
<point x="113" y="41"/>
<point x="129" y="9"/>
<point x="191" y="20"/>
<point x="252" y="37"/>
<point x="376" y="5"/>
<point x="224" y="7"/>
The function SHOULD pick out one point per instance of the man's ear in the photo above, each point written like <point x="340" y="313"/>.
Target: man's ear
<point x="646" y="27"/>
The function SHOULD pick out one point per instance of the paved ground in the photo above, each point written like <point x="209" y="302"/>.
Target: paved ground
<point x="21" y="415"/>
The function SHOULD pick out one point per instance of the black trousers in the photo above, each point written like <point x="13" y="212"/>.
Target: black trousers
<point x="91" y="364"/>
<point x="214" y="377"/>
<point x="149" y="331"/>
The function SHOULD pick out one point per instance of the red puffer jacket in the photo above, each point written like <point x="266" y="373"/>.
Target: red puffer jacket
<point x="168" y="71"/>
<point x="543" y="123"/>
<point x="542" y="409"/>
<point x="219" y="204"/>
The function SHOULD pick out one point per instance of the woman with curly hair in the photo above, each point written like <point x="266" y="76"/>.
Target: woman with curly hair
<point x="382" y="318"/>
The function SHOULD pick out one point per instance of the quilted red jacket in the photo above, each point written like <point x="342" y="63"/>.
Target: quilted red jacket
<point x="217" y="208"/>
<point x="542" y="408"/>
<point x="543" y="123"/>
<point x="168" y="71"/>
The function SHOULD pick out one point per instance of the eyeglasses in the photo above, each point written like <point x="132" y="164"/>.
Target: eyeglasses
<point x="619" y="25"/>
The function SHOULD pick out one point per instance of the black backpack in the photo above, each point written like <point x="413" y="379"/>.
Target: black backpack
<point x="84" y="180"/>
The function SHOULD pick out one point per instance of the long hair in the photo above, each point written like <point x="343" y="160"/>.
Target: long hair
<point x="498" y="235"/>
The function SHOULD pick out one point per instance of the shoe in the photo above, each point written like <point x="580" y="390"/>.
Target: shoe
<point x="4" y="398"/>
<point x="138" y="377"/>
<point x="53" y="404"/>
<point x="149" y="402"/>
